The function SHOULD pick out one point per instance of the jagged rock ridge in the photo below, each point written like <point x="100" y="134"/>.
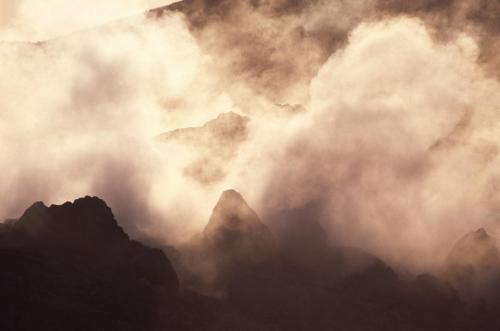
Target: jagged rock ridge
<point x="72" y="267"/>
<point x="473" y="266"/>
<point x="216" y="143"/>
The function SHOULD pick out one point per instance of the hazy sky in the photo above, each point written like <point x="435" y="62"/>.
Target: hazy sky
<point x="36" y="20"/>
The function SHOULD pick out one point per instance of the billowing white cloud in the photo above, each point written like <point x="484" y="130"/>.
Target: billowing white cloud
<point x="399" y="150"/>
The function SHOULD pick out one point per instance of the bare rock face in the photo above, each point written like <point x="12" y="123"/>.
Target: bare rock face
<point x="436" y="292"/>
<point x="235" y="230"/>
<point x="234" y="251"/>
<point x="304" y="243"/>
<point x="71" y="267"/>
<point x="71" y="224"/>
<point x="235" y="233"/>
<point x="215" y="144"/>
<point x="473" y="266"/>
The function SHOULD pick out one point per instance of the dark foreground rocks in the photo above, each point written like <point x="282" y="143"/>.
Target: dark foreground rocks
<point x="72" y="267"/>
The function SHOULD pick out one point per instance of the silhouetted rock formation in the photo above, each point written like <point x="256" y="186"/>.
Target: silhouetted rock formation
<point x="473" y="266"/>
<point x="236" y="244"/>
<point x="216" y="143"/>
<point x="264" y="286"/>
<point x="304" y="243"/>
<point x="71" y="267"/>
<point x="435" y="292"/>
<point x="235" y="233"/>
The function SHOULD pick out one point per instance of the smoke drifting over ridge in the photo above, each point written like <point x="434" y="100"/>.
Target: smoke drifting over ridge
<point x="397" y="151"/>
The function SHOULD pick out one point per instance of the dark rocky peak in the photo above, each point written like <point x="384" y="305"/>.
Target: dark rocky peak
<point x="233" y="224"/>
<point x="71" y="267"/>
<point x="234" y="247"/>
<point x="33" y="216"/>
<point x="86" y="219"/>
<point x="37" y="210"/>
<point x="231" y="209"/>
<point x="473" y="266"/>
<point x="235" y="231"/>
<point x="476" y="249"/>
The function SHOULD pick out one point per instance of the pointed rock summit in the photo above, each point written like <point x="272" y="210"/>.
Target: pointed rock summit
<point x="231" y="209"/>
<point x="235" y="232"/>
<point x="476" y="249"/>
<point x="473" y="265"/>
